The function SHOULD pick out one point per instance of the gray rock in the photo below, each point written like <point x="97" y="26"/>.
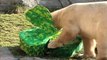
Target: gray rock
<point x="30" y="3"/>
<point x="5" y="54"/>
<point x="52" y="5"/>
<point x="26" y="58"/>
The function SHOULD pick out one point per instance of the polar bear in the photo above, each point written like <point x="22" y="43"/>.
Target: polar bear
<point x="86" y="19"/>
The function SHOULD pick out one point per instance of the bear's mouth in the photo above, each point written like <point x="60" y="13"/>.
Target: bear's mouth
<point x="50" y="49"/>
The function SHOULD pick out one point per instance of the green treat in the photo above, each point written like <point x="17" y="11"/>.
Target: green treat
<point x="69" y="50"/>
<point x="34" y="41"/>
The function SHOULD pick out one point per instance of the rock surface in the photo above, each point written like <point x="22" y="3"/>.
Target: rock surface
<point x="9" y="6"/>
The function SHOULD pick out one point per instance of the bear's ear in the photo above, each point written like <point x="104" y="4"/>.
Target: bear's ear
<point x="55" y="18"/>
<point x="55" y="14"/>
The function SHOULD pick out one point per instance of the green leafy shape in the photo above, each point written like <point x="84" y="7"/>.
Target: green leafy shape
<point x="34" y="41"/>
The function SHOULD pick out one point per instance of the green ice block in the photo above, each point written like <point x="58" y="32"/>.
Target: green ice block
<point x="34" y="41"/>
